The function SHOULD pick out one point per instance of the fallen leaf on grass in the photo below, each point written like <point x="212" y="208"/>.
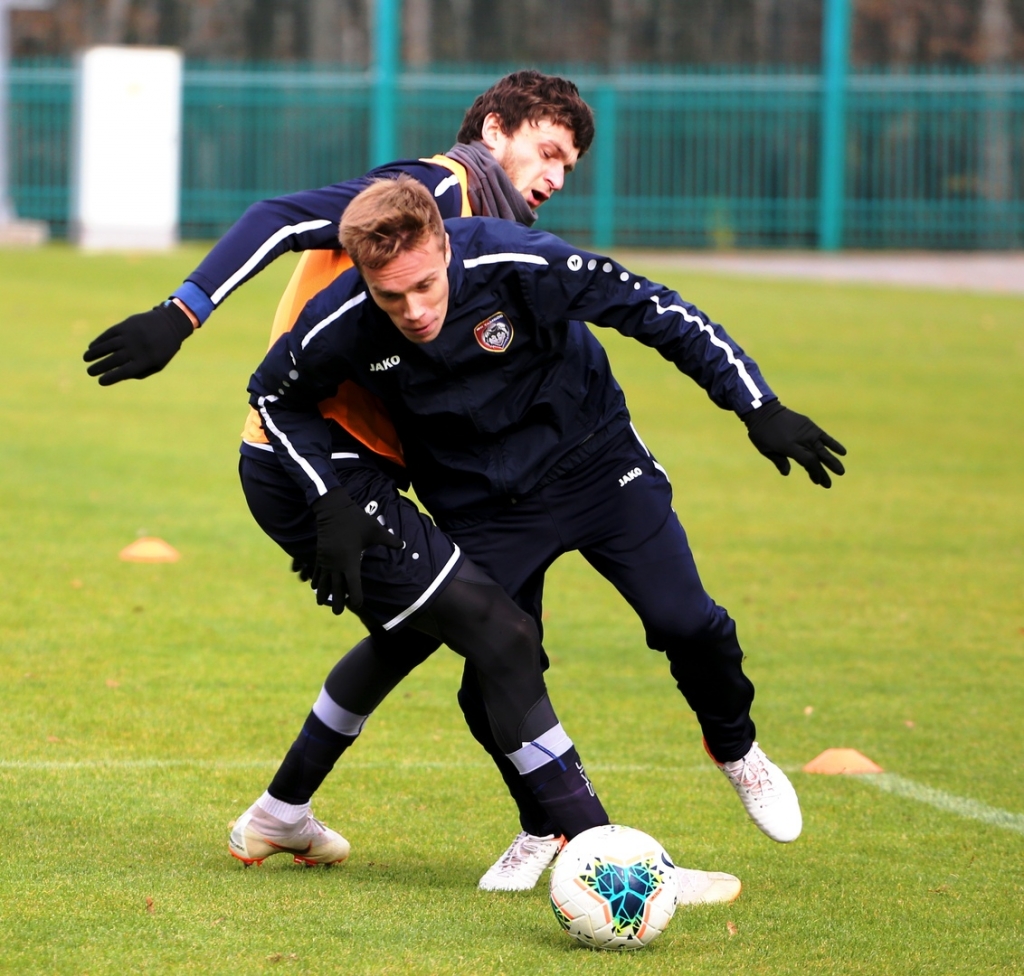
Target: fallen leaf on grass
<point x="809" y="710"/>
<point x="909" y="724"/>
<point x="113" y="683"/>
<point x="76" y="584"/>
<point x="149" y="905"/>
<point x="731" y="926"/>
<point x="278" y="957"/>
<point x="54" y="738"/>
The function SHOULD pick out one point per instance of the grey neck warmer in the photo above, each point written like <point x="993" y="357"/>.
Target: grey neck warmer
<point x="491" y="193"/>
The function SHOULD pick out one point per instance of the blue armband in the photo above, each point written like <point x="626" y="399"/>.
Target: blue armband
<point x="196" y="299"/>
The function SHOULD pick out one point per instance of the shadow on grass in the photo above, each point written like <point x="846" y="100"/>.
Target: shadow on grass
<point x="457" y="876"/>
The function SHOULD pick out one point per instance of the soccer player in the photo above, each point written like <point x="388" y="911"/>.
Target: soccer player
<point x="413" y="588"/>
<point x="518" y="440"/>
<point x="517" y="142"/>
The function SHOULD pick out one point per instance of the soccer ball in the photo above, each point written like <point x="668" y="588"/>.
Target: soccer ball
<point x="614" y="887"/>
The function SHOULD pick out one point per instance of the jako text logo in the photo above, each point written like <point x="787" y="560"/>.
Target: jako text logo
<point x="629" y="476"/>
<point x="385" y="364"/>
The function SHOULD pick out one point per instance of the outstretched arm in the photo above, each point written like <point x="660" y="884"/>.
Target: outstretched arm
<point x="599" y="290"/>
<point x="145" y="343"/>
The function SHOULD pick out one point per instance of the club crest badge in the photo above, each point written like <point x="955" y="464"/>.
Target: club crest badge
<point x="495" y="333"/>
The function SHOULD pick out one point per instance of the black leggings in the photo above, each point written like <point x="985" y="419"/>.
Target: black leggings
<point x="479" y="621"/>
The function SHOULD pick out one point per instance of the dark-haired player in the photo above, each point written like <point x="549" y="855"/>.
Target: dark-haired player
<point x="517" y="142"/>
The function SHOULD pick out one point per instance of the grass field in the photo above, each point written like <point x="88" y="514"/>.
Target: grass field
<point x="144" y="707"/>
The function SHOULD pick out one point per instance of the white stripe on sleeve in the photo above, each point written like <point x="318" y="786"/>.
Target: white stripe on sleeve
<point x="503" y="258"/>
<point x="321" y="488"/>
<point x="336" y="314"/>
<point x="261" y="252"/>
<point x="444" y="185"/>
<point x="739" y="366"/>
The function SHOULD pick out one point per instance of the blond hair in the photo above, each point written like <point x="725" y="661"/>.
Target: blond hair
<point x="389" y="217"/>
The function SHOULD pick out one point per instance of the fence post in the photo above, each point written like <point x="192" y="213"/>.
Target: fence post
<point x="7" y="212"/>
<point x="835" y="44"/>
<point x="603" y="200"/>
<point x="383" y="119"/>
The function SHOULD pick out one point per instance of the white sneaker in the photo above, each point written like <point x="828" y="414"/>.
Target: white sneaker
<point x="766" y="793"/>
<point x="257" y="835"/>
<point x="520" y="867"/>
<point x="707" y="887"/>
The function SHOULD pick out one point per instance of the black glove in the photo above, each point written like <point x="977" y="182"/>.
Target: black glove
<point x="139" y="346"/>
<point x="780" y="434"/>
<point x="343" y="531"/>
<point x="302" y="569"/>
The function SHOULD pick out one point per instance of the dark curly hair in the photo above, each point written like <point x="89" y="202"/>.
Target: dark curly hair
<point x="529" y="96"/>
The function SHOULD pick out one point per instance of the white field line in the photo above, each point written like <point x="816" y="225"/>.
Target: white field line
<point x="951" y="803"/>
<point x="887" y="782"/>
<point x="129" y="765"/>
<point x="134" y="764"/>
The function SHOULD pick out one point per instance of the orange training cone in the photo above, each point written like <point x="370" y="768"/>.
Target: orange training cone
<point x="150" y="550"/>
<point x="836" y="762"/>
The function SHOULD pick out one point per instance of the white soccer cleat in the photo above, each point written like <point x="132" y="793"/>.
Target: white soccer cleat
<point x="520" y="867"/>
<point x="707" y="887"/>
<point x="767" y="794"/>
<point x="257" y="835"/>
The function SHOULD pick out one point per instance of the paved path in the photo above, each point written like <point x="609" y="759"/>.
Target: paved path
<point x="954" y="271"/>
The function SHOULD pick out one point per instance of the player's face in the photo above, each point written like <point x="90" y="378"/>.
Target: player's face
<point x="413" y="289"/>
<point x="537" y="156"/>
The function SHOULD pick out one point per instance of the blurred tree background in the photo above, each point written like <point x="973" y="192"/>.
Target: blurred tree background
<point x="610" y="33"/>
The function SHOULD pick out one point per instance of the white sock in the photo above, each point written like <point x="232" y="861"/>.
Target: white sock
<point x="290" y="813"/>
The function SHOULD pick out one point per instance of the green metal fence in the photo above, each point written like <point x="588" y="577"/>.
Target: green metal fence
<point x="39" y="141"/>
<point x="714" y="159"/>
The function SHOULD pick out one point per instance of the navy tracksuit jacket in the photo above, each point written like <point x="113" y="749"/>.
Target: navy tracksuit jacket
<point x="515" y="387"/>
<point x="518" y="440"/>
<point x="302" y="221"/>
